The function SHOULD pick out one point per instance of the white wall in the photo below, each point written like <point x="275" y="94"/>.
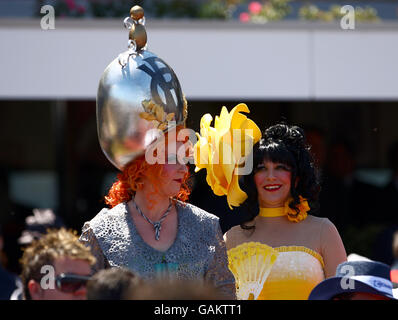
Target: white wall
<point x="287" y="61"/>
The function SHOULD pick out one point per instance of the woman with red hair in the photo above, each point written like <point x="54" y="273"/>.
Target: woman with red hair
<point x="151" y="230"/>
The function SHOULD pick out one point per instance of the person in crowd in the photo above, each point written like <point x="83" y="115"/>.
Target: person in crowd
<point x="149" y="227"/>
<point x="356" y="280"/>
<point x="282" y="194"/>
<point x="12" y="219"/>
<point x="112" y="284"/>
<point x="37" y="224"/>
<point x="176" y="289"/>
<point x="394" y="264"/>
<point x="9" y="281"/>
<point x="152" y="230"/>
<point x="56" y="267"/>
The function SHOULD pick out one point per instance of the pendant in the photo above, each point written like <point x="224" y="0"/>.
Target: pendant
<point x="157" y="226"/>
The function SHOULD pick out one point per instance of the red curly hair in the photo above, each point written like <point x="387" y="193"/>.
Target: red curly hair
<point x="128" y="181"/>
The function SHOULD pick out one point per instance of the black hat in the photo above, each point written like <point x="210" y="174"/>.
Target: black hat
<point x="37" y="225"/>
<point x="356" y="276"/>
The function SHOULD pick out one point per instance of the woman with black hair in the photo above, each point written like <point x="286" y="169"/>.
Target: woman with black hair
<point x="295" y="250"/>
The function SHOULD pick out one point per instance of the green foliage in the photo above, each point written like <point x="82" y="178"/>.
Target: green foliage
<point x="277" y="9"/>
<point x="367" y="14"/>
<point x="271" y="10"/>
<point x="309" y="12"/>
<point x="214" y="10"/>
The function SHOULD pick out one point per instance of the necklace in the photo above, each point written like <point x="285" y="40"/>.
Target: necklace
<point x="157" y="225"/>
<point x="272" y="212"/>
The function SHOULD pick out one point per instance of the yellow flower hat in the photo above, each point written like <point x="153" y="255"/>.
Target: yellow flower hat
<point x="225" y="147"/>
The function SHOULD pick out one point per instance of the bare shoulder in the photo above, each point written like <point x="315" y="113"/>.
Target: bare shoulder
<point x="235" y="236"/>
<point x="232" y="233"/>
<point x="318" y="222"/>
<point x="327" y="228"/>
<point x="319" y="225"/>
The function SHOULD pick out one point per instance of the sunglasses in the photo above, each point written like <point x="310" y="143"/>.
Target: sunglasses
<point x="70" y="283"/>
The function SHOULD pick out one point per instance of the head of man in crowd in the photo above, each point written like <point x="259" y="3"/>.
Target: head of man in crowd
<point x="112" y="284"/>
<point x="56" y="267"/>
<point x="176" y="289"/>
<point x="356" y="280"/>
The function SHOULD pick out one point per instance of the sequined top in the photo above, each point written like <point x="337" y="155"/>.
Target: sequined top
<point x="198" y="251"/>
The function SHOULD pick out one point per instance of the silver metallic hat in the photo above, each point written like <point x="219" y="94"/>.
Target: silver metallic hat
<point x="137" y="92"/>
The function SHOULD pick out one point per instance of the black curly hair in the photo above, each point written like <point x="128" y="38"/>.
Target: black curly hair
<point x="284" y="144"/>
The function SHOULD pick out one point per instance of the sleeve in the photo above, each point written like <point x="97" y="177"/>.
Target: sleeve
<point x="88" y="239"/>
<point x="332" y="248"/>
<point x="218" y="272"/>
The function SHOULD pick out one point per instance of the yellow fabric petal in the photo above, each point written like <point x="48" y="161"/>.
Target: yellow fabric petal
<point x="211" y="135"/>
<point x="236" y="117"/>
<point x="222" y="184"/>
<point x="236" y="196"/>
<point x="205" y="124"/>
<point x="238" y="138"/>
<point x="251" y="125"/>
<point x="213" y="180"/>
<point x="223" y="122"/>
<point x="227" y="161"/>
<point x="241" y="107"/>
<point x="201" y="153"/>
<point x="246" y="138"/>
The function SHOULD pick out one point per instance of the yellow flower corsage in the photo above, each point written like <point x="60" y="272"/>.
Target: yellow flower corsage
<point x="303" y="207"/>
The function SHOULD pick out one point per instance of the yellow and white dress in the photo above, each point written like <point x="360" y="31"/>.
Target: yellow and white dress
<point x="289" y="273"/>
<point x="263" y="272"/>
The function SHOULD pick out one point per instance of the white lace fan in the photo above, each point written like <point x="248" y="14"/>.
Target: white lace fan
<point x="251" y="263"/>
